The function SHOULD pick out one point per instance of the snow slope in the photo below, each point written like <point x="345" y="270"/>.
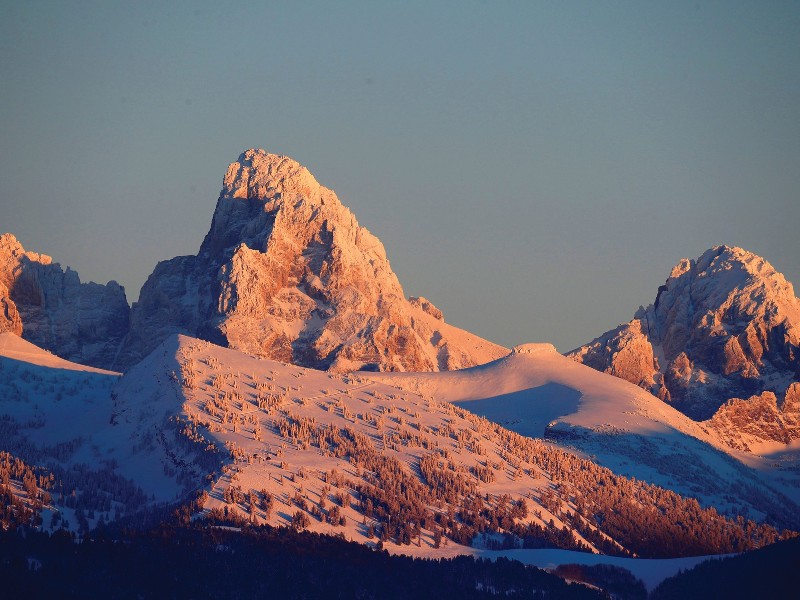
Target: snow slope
<point x="14" y="347"/>
<point x="123" y="444"/>
<point x="539" y="393"/>
<point x="61" y="415"/>
<point x="223" y="389"/>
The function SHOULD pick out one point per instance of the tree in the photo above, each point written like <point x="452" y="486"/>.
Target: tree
<point x="300" y="520"/>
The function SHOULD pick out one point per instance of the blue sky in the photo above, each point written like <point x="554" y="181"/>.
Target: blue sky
<point x="535" y="169"/>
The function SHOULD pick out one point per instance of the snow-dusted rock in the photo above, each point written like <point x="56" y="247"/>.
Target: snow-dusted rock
<point x="287" y="273"/>
<point x="50" y="307"/>
<point x="726" y="325"/>
<point x="427" y="306"/>
<point x="749" y="424"/>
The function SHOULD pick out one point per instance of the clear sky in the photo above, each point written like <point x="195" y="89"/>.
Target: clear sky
<point x="533" y="168"/>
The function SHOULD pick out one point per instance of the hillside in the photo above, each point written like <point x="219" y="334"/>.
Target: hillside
<point x="539" y="393"/>
<point x="252" y="440"/>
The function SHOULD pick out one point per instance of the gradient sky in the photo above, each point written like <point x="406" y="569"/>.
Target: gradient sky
<point x="534" y="169"/>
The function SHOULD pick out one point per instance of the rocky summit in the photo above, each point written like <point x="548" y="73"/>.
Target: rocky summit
<point x="724" y="326"/>
<point x="286" y="272"/>
<point x="50" y="307"/>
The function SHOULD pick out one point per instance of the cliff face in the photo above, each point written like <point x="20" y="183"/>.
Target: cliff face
<point x="745" y="424"/>
<point x="50" y="307"/>
<point x="286" y="272"/>
<point x="726" y="325"/>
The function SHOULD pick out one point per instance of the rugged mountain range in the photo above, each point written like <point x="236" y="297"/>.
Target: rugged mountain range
<point x="724" y="326"/>
<point x="82" y="322"/>
<point x="504" y="451"/>
<point x="287" y="273"/>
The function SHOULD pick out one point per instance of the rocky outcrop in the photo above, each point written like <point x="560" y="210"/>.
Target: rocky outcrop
<point x="726" y="325"/>
<point x="287" y="273"/>
<point x="50" y="307"/>
<point x="427" y="306"/>
<point x="9" y="315"/>
<point x="747" y="424"/>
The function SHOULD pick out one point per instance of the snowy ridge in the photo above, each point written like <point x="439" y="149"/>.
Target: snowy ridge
<point x="14" y="347"/>
<point x="539" y="393"/>
<point x="263" y="441"/>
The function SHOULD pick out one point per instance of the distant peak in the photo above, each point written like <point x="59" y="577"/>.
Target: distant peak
<point x="257" y="174"/>
<point x="721" y="262"/>
<point x="10" y="240"/>
<point x="727" y="253"/>
<point x="11" y="246"/>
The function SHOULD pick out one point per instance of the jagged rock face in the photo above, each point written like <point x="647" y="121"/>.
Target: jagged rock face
<point x="287" y="273"/>
<point x="745" y="424"/>
<point x="9" y="315"/>
<point x="50" y="307"/>
<point x="726" y="325"/>
<point x="427" y="306"/>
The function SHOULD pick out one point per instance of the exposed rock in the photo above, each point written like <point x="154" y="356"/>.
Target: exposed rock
<point x="724" y="326"/>
<point x="287" y="273"/>
<point x="50" y="307"/>
<point x="745" y="424"/>
<point x="427" y="306"/>
<point x="9" y="315"/>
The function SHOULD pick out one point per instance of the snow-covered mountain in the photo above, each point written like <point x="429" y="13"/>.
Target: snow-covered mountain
<point x="539" y="393"/>
<point x="82" y="322"/>
<point x="726" y="325"/>
<point x="262" y="441"/>
<point x="286" y="272"/>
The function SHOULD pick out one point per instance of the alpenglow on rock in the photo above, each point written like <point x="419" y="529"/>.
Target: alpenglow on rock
<point x="81" y="322"/>
<point x="287" y="273"/>
<point x="726" y="325"/>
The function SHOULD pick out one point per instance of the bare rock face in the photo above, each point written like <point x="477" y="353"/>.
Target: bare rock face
<point x="287" y="273"/>
<point x="746" y="424"/>
<point x="50" y="307"/>
<point x="9" y="315"/>
<point x="726" y="325"/>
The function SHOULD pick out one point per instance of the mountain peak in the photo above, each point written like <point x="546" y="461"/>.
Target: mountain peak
<point x="729" y="278"/>
<point x="286" y="272"/>
<point x="11" y="249"/>
<point x="258" y="174"/>
<point x="722" y="326"/>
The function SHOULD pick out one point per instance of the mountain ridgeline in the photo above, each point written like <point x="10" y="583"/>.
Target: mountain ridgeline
<point x="50" y="307"/>
<point x="286" y="272"/>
